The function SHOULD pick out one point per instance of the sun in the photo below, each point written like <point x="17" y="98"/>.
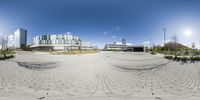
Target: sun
<point x="187" y="32"/>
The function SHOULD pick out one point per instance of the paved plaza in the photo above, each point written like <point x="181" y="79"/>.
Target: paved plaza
<point x="99" y="76"/>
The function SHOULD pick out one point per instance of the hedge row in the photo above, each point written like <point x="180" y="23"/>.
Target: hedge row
<point x="182" y="58"/>
<point x="7" y="57"/>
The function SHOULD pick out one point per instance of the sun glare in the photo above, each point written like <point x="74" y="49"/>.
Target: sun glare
<point x="187" y="32"/>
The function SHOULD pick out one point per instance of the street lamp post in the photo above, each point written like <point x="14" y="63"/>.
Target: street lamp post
<point x="164" y="37"/>
<point x="175" y="40"/>
<point x="164" y="34"/>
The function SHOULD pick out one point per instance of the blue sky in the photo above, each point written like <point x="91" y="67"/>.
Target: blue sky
<point x="102" y="21"/>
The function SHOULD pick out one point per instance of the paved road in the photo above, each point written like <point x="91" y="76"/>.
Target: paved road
<point x="101" y="76"/>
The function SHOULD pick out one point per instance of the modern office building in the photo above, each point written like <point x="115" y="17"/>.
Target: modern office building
<point x="124" y="46"/>
<point x="59" y="42"/>
<point x="20" y="37"/>
<point x="123" y="41"/>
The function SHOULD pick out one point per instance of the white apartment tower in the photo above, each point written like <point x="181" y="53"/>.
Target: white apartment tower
<point x="20" y="37"/>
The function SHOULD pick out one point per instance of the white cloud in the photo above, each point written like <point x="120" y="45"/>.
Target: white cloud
<point x="11" y="38"/>
<point x="129" y="44"/>
<point x="166" y="41"/>
<point x="146" y="42"/>
<point x="69" y="33"/>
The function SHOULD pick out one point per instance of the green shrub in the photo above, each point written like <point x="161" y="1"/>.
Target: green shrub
<point x="195" y="58"/>
<point x="153" y="53"/>
<point x="26" y="47"/>
<point x="168" y="57"/>
<point x="183" y="58"/>
<point x="5" y="54"/>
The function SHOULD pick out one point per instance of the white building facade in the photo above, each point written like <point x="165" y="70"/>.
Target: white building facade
<point x="59" y="42"/>
<point x="124" y="46"/>
<point x="20" y="37"/>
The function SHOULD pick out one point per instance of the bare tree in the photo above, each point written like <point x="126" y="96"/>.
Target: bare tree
<point x="193" y="45"/>
<point x="4" y="44"/>
<point x="175" y="40"/>
<point x="193" y="49"/>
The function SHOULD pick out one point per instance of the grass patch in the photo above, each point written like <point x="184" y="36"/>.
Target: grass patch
<point x="74" y="52"/>
<point x="41" y="51"/>
<point x="111" y="50"/>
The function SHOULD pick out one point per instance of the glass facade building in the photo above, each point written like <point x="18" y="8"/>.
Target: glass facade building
<point x="59" y="42"/>
<point x="66" y="39"/>
<point x="20" y="36"/>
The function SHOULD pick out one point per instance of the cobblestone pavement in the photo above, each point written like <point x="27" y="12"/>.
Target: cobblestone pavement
<point x="100" y="76"/>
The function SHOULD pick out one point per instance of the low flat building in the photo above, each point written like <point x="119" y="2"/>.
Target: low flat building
<point x="60" y="42"/>
<point x="123" y="46"/>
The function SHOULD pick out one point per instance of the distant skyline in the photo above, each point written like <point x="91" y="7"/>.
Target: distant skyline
<point x="103" y="21"/>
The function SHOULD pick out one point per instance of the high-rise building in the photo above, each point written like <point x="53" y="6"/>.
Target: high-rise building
<point x="20" y="37"/>
<point x="123" y="41"/>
